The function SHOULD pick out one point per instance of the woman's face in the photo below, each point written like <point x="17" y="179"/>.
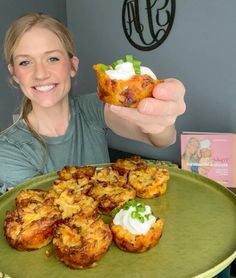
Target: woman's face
<point x="42" y="68"/>
<point x="205" y="152"/>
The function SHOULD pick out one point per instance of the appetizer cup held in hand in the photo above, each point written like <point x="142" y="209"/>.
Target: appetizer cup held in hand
<point x="135" y="229"/>
<point x="125" y="82"/>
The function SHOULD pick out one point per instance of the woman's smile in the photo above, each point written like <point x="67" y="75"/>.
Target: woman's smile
<point x="44" y="88"/>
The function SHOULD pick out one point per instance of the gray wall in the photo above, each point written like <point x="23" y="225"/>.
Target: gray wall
<point x="200" y="50"/>
<point x="9" y="10"/>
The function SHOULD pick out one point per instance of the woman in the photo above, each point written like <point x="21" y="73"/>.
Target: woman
<point x="190" y="156"/>
<point x="56" y="130"/>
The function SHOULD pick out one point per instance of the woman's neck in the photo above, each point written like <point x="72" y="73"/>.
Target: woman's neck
<point x="51" y="122"/>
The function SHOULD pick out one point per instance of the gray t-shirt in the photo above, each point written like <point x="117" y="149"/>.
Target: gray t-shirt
<point x="84" y="142"/>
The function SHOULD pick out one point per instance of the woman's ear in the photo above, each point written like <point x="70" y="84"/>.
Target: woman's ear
<point x="74" y="66"/>
<point x="11" y="71"/>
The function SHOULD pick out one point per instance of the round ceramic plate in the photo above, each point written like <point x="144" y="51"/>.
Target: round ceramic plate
<point x="199" y="237"/>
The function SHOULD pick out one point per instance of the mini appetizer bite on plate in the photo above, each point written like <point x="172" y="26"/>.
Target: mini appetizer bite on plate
<point x="149" y="182"/>
<point x="31" y="227"/>
<point x="135" y="228"/>
<point x="81" y="242"/>
<point x="125" y="165"/>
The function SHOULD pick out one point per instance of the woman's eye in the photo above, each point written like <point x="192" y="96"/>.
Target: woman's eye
<point x="53" y="59"/>
<point x="24" y="63"/>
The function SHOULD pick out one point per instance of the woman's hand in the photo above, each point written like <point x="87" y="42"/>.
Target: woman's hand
<point x="154" y="119"/>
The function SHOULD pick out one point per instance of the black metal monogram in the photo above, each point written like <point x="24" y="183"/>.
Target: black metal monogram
<point x="147" y="23"/>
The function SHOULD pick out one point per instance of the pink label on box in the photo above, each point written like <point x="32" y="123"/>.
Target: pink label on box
<point x="210" y="155"/>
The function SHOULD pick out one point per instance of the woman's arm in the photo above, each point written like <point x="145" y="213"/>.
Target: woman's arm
<point x="153" y="122"/>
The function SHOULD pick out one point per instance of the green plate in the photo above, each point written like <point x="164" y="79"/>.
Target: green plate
<point x="199" y="237"/>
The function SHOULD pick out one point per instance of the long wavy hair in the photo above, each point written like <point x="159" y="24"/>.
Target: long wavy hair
<point x="13" y="35"/>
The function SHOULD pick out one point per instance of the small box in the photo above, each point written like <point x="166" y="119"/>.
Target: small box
<point x="210" y="154"/>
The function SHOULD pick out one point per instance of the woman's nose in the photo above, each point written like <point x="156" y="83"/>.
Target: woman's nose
<point x="41" y="71"/>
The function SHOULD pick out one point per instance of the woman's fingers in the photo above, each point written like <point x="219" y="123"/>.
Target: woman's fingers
<point x="168" y="99"/>
<point x="171" y="89"/>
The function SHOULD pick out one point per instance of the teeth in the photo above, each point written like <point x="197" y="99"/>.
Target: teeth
<point x="44" y="88"/>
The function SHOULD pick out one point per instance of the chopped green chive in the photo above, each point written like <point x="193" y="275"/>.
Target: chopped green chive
<point x="129" y="58"/>
<point x="120" y="61"/>
<point x="126" y="207"/>
<point x="141" y="218"/>
<point x="134" y="214"/>
<point x="139" y="208"/>
<point x="136" y="65"/>
<point x="115" y="211"/>
<point x="103" y="67"/>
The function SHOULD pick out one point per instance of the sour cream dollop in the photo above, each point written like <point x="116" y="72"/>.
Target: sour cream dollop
<point x="125" y="71"/>
<point x="133" y="225"/>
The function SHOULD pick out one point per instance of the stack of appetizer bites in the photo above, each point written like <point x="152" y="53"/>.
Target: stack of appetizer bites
<point x="68" y="214"/>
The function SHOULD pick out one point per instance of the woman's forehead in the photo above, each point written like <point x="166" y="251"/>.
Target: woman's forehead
<point x="38" y="40"/>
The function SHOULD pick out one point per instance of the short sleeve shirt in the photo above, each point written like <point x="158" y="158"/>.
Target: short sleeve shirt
<point x="84" y="142"/>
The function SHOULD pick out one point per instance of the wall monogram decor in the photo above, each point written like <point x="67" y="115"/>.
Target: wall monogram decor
<point x="147" y="23"/>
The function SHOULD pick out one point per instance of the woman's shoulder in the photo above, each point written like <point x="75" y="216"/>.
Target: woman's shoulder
<point x="16" y="134"/>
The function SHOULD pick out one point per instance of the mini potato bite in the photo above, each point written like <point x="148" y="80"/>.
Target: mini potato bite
<point x="30" y="196"/>
<point x="125" y="165"/>
<point x="117" y="88"/>
<point x="129" y="242"/>
<point x="109" y="175"/>
<point x="111" y="196"/>
<point x="76" y="172"/>
<point x="31" y="227"/>
<point x="149" y="182"/>
<point x="71" y="202"/>
<point x="135" y="229"/>
<point x="80" y="186"/>
<point x="81" y="242"/>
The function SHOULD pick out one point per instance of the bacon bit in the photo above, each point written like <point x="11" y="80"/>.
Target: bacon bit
<point x="106" y="82"/>
<point x="148" y="80"/>
<point x="113" y="84"/>
<point x="102" y="92"/>
<point x="129" y="99"/>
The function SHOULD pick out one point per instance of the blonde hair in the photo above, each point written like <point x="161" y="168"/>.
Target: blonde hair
<point x="194" y="156"/>
<point x="13" y="35"/>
